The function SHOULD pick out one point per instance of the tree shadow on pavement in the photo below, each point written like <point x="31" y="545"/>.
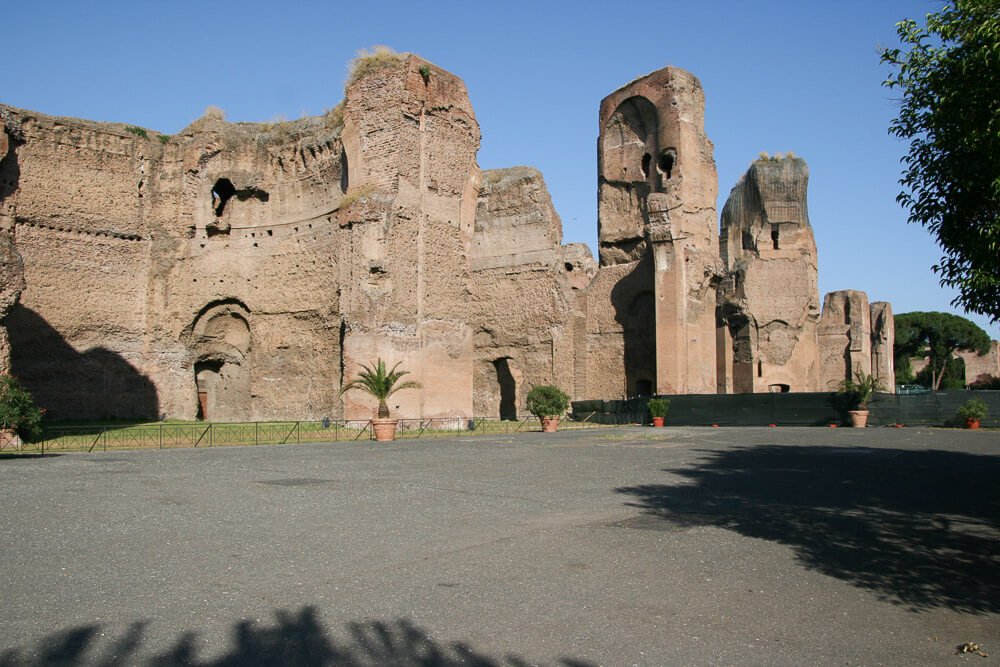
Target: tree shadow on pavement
<point x="918" y="528"/>
<point x="296" y="638"/>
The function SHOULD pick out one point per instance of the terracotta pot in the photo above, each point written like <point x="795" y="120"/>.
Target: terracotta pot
<point x="385" y="429"/>
<point x="859" y="418"/>
<point x="658" y="421"/>
<point x="550" y="424"/>
<point x="972" y="423"/>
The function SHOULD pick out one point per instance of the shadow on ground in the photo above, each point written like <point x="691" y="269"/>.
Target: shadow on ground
<point x="918" y="528"/>
<point x="296" y="638"/>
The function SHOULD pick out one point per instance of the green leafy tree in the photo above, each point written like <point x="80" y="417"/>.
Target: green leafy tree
<point x="949" y="75"/>
<point x="380" y="383"/>
<point x="952" y="378"/>
<point x="936" y="336"/>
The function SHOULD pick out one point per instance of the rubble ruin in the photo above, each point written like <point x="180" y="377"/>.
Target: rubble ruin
<point x="244" y="271"/>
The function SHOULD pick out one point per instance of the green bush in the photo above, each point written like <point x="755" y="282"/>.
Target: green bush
<point x="658" y="407"/>
<point x="17" y="409"/>
<point x="547" y="401"/>
<point x="973" y="410"/>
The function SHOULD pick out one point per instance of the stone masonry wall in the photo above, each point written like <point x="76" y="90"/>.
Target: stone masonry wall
<point x="769" y="303"/>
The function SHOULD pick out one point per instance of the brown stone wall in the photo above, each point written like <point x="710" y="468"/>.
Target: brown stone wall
<point x="657" y="189"/>
<point x="769" y="303"/>
<point x="417" y="139"/>
<point x="845" y="338"/>
<point x="525" y="290"/>
<point x="977" y="365"/>
<point x="883" y="339"/>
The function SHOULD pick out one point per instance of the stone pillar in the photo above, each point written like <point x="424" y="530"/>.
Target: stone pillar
<point x="657" y="190"/>
<point x="845" y="336"/>
<point x="883" y="338"/>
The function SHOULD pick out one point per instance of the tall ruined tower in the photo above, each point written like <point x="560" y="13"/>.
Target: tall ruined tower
<point x="769" y="302"/>
<point x="656" y="216"/>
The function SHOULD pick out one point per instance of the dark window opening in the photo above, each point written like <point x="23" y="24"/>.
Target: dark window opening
<point x="666" y="162"/>
<point x="760" y="369"/>
<point x="779" y="388"/>
<point x="222" y="192"/>
<point x="344" y="177"/>
<point x="568" y="266"/>
<point x="748" y="243"/>
<point x="508" y="389"/>
<point x="775" y="235"/>
<point x="646" y="159"/>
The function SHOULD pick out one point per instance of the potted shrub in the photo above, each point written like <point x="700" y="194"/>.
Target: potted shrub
<point x="548" y="403"/>
<point x="658" y="410"/>
<point x="856" y="394"/>
<point x="973" y="412"/>
<point x="380" y="384"/>
<point x="19" y="418"/>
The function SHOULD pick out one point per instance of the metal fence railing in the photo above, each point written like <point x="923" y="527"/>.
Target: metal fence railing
<point x="168" y="435"/>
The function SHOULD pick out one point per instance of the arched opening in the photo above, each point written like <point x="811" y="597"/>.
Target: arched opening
<point x="630" y="141"/>
<point x="666" y="161"/>
<point x="206" y="377"/>
<point x="221" y="342"/>
<point x="775" y="235"/>
<point x="222" y="192"/>
<point x="508" y="389"/>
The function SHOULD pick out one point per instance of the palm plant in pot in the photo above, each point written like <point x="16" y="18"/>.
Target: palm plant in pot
<point x="548" y="403"/>
<point x="380" y="384"/>
<point x="856" y="393"/>
<point x="658" y="410"/>
<point x="973" y="411"/>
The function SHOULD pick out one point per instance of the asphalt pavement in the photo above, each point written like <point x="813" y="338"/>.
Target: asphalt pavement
<point x="616" y="546"/>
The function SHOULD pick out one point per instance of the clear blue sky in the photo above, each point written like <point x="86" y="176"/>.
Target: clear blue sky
<point x="778" y="76"/>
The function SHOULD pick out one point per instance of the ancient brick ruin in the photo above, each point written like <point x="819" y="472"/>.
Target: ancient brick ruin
<point x="242" y="271"/>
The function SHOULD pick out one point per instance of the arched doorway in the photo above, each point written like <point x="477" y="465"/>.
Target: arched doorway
<point x="221" y="346"/>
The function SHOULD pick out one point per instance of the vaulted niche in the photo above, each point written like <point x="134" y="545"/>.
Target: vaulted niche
<point x="221" y="343"/>
<point x="639" y="332"/>
<point x="630" y="140"/>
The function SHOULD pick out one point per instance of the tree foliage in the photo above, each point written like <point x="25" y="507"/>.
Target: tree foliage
<point x="949" y="75"/>
<point x="547" y="401"/>
<point x="936" y="336"/>
<point x="17" y="408"/>
<point x="380" y="383"/>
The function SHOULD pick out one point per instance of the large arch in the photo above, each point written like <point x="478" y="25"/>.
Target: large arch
<point x="221" y="342"/>
<point x="630" y="151"/>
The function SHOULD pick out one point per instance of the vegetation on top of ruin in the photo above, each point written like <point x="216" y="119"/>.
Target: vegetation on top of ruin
<point x="355" y="195"/>
<point x="494" y="176"/>
<point x="777" y="157"/>
<point x="370" y="61"/>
